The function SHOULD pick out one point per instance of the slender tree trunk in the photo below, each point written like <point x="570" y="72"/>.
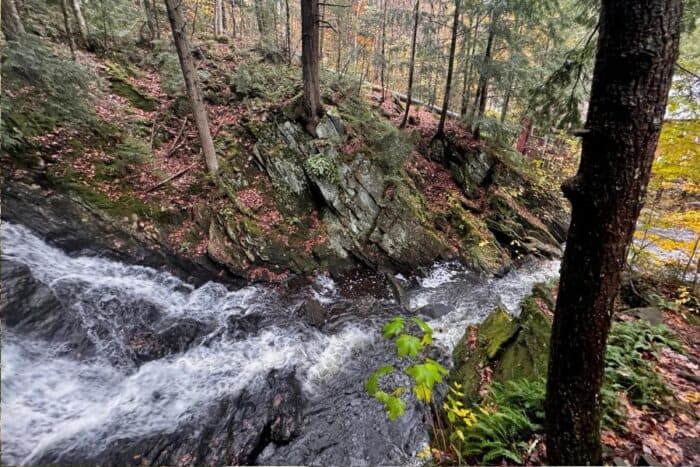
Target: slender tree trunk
<point x="233" y="18"/>
<point x="506" y="99"/>
<point x="69" y="29"/>
<point x="311" y="102"/>
<point x="218" y="22"/>
<point x="288" y="33"/>
<point x="450" y="66"/>
<point x="467" y="67"/>
<point x="321" y="33"/>
<point x="80" y="20"/>
<point x="383" y="51"/>
<point x="156" y="16"/>
<point x="637" y="49"/>
<point x="189" y="73"/>
<point x="12" y="25"/>
<point x="411" y="65"/>
<point x="150" y="20"/>
<point x="483" y="91"/>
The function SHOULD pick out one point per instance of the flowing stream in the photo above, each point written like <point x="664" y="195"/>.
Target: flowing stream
<point x="78" y="392"/>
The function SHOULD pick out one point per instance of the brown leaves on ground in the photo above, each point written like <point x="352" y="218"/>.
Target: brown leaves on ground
<point x="671" y="436"/>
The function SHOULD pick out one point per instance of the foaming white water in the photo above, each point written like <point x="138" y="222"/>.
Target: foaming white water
<point x="49" y="399"/>
<point x="473" y="298"/>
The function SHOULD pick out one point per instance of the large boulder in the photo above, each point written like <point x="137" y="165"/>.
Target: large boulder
<point x="504" y="346"/>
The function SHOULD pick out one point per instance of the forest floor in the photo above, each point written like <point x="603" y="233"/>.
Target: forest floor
<point x="668" y="435"/>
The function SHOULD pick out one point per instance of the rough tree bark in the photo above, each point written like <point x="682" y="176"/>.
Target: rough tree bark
<point x="450" y="67"/>
<point x="311" y="101"/>
<point x="637" y="49"/>
<point x="189" y="73"/>
<point x="12" y="25"/>
<point x="411" y="65"/>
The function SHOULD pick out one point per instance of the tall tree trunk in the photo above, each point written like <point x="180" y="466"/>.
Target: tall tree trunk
<point x="80" y="19"/>
<point x="383" y="51"/>
<point x="450" y="67"/>
<point x="637" y="49"/>
<point x="156" y="16"/>
<point x="12" y="25"/>
<point x="150" y="20"/>
<point x="189" y="73"/>
<point x="467" y="69"/>
<point x="218" y="20"/>
<point x="506" y="99"/>
<point x="69" y="29"/>
<point x="311" y="102"/>
<point x="483" y="91"/>
<point x="411" y="65"/>
<point x="321" y="33"/>
<point x="288" y="33"/>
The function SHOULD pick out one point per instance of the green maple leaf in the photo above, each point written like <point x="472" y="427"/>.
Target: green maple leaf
<point x="427" y="331"/>
<point x="393" y="327"/>
<point x="426" y="375"/>
<point x="394" y="407"/>
<point x="408" y="345"/>
<point x="372" y="384"/>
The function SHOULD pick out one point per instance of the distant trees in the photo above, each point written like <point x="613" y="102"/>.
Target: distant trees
<point x="450" y="67"/>
<point x="311" y="101"/>
<point x="189" y="73"/>
<point x="412" y="62"/>
<point x="637" y="50"/>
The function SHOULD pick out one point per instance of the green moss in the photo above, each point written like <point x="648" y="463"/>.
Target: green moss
<point x="119" y="83"/>
<point x="496" y="331"/>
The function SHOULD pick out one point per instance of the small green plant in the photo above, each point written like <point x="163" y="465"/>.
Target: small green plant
<point x="423" y="374"/>
<point x="633" y="347"/>
<point x="322" y="166"/>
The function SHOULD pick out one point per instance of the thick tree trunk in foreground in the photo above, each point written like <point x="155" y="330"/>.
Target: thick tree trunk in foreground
<point x="311" y="102"/>
<point x="450" y="68"/>
<point x="189" y="73"/>
<point x="637" y="49"/>
<point x="411" y="65"/>
<point x="12" y="25"/>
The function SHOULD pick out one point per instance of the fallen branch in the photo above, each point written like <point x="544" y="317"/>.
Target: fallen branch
<point x="169" y="179"/>
<point x="177" y="143"/>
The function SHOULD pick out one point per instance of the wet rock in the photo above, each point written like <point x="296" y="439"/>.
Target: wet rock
<point x="178" y="337"/>
<point x="435" y="310"/>
<point x="232" y="431"/>
<point x="76" y="228"/>
<point x="32" y="308"/>
<point x="239" y="327"/>
<point x="398" y="290"/>
<point x="314" y="313"/>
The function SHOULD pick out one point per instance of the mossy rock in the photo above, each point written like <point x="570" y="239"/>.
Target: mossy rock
<point x="513" y="347"/>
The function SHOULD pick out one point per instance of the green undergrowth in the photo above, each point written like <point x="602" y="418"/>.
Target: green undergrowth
<point x="508" y="422"/>
<point x="42" y="89"/>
